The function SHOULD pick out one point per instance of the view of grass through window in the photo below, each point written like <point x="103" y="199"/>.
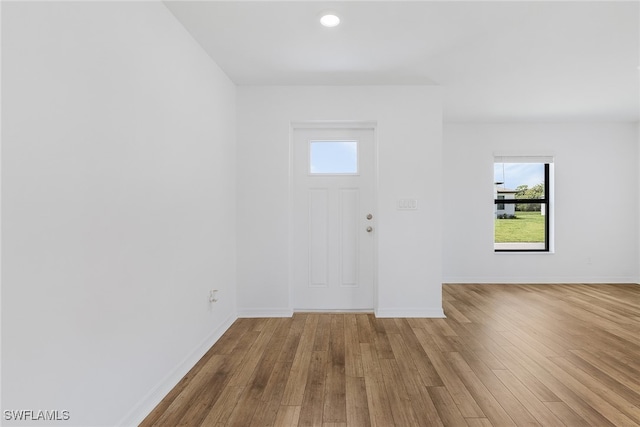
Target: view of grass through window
<point x="525" y="227"/>
<point x="519" y="206"/>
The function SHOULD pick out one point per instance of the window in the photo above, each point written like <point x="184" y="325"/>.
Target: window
<point x="522" y="204"/>
<point x="333" y="157"/>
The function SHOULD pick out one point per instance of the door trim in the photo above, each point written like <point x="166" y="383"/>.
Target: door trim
<point x="327" y="125"/>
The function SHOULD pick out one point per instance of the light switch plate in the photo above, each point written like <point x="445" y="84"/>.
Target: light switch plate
<point x="407" y="204"/>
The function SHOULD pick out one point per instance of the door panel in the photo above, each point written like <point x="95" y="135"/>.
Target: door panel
<point x="333" y="196"/>
<point x="349" y="208"/>
<point x="318" y="237"/>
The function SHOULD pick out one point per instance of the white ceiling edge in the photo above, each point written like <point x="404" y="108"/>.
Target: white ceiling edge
<point x="575" y="93"/>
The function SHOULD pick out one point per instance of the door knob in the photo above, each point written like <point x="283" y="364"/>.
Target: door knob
<point x="369" y="216"/>
<point x="369" y="229"/>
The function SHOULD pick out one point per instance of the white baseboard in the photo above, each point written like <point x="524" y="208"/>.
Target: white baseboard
<point x="411" y="312"/>
<point x="264" y="312"/>
<point x="151" y="400"/>
<point x="338" y="311"/>
<point x="539" y="280"/>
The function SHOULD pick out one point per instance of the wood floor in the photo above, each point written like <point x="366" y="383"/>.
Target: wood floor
<point x="547" y="355"/>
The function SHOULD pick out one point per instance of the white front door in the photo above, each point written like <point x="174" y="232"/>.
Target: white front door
<point x="333" y="218"/>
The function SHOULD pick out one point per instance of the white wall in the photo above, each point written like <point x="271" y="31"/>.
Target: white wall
<point x="118" y="207"/>
<point x="596" y="209"/>
<point x="410" y="149"/>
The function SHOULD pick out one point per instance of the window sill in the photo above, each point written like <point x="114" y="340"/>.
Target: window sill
<point x="549" y="252"/>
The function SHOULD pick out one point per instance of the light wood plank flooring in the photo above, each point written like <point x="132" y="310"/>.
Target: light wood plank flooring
<point x="507" y="355"/>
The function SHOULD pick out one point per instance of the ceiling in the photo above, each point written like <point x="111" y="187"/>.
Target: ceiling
<point x="496" y="61"/>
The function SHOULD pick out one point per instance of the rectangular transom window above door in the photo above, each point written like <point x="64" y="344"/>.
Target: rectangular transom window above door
<point x="522" y="203"/>
<point x="333" y="157"/>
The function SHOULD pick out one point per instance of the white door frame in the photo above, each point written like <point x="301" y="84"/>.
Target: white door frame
<point x="332" y="124"/>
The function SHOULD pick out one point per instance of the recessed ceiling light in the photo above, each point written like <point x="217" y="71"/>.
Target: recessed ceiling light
<point x="329" y="20"/>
